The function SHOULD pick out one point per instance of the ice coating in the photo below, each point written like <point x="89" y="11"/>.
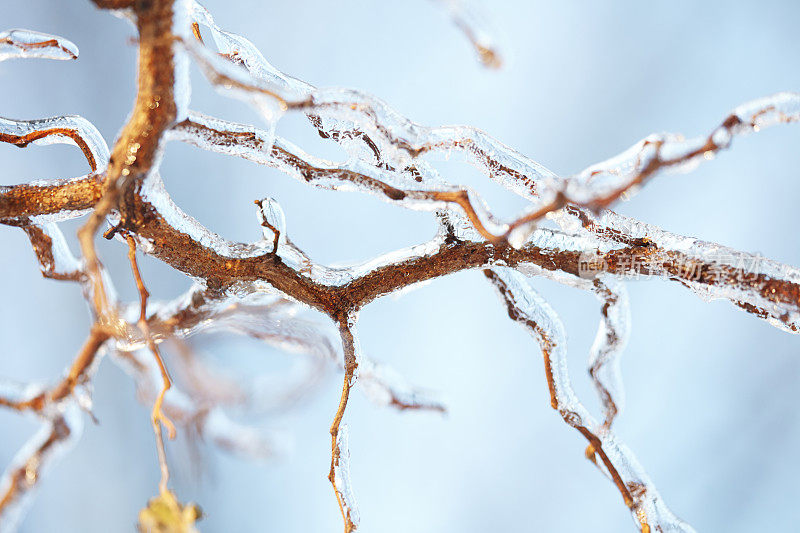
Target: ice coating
<point x="528" y="308"/>
<point x="342" y="482"/>
<point x="154" y="193"/>
<point x="676" y="250"/>
<point x="59" y="433"/>
<point x="384" y="386"/>
<point x="609" y="343"/>
<point x="28" y="44"/>
<point x="282" y="329"/>
<point x="12" y="392"/>
<point x="202" y="406"/>
<point x="53" y="252"/>
<point x="780" y="108"/>
<point x="277" y="321"/>
<point x="351" y="117"/>
<point x="74" y="130"/>
<point x="273" y="220"/>
<point x="600" y="184"/>
<point x="198" y="410"/>
<point x="363" y="124"/>
<point x="419" y="190"/>
<point x="766" y="288"/>
<point x="15" y="199"/>
<point x="181" y="87"/>
<point x="545" y="325"/>
<point x="229" y="79"/>
<point x="265" y="289"/>
<point x="611" y="337"/>
<point x="241" y="51"/>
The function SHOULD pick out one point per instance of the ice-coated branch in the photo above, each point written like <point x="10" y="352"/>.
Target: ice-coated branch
<point x="344" y="115"/>
<point x="610" y="341"/>
<point x="526" y="307"/>
<point x="74" y="130"/>
<point x="602" y="184"/>
<point x="262" y="289"/>
<point x="60" y="199"/>
<point x="339" y="474"/>
<point x="57" y="435"/>
<point x="277" y="321"/>
<point x="28" y="44"/>
<point x="340" y="477"/>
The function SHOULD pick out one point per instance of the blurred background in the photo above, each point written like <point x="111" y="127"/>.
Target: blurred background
<point x="712" y="391"/>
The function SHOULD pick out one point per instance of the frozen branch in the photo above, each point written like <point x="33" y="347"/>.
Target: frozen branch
<point x="261" y="289"/>
<point x="28" y="44"/>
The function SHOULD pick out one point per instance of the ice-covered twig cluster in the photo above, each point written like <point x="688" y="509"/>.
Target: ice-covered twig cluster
<point x="265" y="289"/>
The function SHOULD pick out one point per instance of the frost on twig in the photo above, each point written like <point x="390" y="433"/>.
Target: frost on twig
<point x="265" y="289"/>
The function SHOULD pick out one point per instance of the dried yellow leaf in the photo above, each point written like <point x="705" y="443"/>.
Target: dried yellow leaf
<point x="164" y="514"/>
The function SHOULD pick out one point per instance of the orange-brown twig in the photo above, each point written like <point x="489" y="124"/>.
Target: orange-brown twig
<point x="157" y="416"/>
